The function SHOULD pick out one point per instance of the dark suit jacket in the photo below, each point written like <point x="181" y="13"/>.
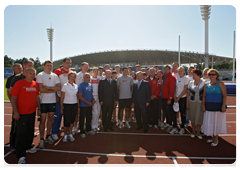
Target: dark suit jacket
<point x="106" y="92"/>
<point x="142" y="95"/>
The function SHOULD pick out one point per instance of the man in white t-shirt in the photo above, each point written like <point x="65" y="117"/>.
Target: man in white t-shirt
<point x="49" y="84"/>
<point x="117" y="68"/>
<point x="96" y="106"/>
<point x="190" y="75"/>
<point x="175" y="70"/>
<point x="100" y="72"/>
<point x="80" y="75"/>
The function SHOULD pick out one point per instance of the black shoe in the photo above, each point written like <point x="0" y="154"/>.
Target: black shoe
<point x="110" y="128"/>
<point x="145" y="130"/>
<point x="105" y="130"/>
<point x="138" y="128"/>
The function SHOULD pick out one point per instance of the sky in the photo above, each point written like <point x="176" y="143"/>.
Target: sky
<point x="81" y="29"/>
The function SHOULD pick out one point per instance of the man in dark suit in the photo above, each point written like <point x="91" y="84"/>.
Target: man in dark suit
<point x="141" y="96"/>
<point x="107" y="92"/>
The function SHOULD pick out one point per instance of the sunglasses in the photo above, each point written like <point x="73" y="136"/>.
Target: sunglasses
<point x="211" y="74"/>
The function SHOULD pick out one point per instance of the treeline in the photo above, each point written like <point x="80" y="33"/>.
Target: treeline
<point x="8" y="62"/>
<point x="218" y="66"/>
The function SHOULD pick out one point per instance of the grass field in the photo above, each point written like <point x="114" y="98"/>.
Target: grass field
<point x="5" y="91"/>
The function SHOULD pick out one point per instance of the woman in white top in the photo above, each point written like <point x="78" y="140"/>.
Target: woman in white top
<point x="69" y="104"/>
<point x="181" y="94"/>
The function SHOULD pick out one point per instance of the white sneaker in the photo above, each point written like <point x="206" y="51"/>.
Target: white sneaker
<point x="49" y="140"/>
<point x="134" y="120"/>
<point x="173" y="131"/>
<point x="169" y="129"/>
<point x="120" y="125"/>
<point x="181" y="132"/>
<point x="75" y="130"/>
<point x="149" y="125"/>
<point x="90" y="133"/>
<point x="32" y="150"/>
<point x="127" y="125"/>
<point x="55" y="137"/>
<point x="65" y="138"/>
<point x="164" y="127"/>
<point x="22" y="160"/>
<point x="71" y="138"/>
<point x="83" y="135"/>
<point x="129" y="119"/>
<point x="155" y="127"/>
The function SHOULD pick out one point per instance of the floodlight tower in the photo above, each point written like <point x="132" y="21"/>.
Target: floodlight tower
<point x="50" y="39"/>
<point x="205" y="10"/>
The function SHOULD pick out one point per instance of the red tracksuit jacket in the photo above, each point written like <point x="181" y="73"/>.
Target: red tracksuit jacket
<point x="168" y="86"/>
<point x="155" y="87"/>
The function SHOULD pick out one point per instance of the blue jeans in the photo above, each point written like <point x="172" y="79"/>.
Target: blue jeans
<point x="57" y="119"/>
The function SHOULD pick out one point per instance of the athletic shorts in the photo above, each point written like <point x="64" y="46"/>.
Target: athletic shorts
<point x="125" y="103"/>
<point x="48" y="107"/>
<point x="69" y="114"/>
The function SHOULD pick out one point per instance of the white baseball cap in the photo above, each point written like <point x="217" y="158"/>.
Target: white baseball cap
<point x="176" y="106"/>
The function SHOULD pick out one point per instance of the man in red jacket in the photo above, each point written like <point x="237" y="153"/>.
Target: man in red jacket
<point x="152" y="109"/>
<point x="168" y="88"/>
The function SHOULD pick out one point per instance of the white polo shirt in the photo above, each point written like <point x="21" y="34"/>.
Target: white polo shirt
<point x="70" y="93"/>
<point x="79" y="78"/>
<point x="49" y="80"/>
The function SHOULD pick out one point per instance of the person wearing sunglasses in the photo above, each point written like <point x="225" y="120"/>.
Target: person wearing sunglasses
<point x="214" y="108"/>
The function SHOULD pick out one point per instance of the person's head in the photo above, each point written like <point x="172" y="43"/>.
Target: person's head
<point x="108" y="74"/>
<point x="27" y="64"/>
<point x="86" y="77"/>
<point x="132" y="74"/>
<point x="144" y="75"/>
<point x="181" y="71"/>
<point x="175" y="66"/>
<point x="30" y="73"/>
<point x="90" y="71"/>
<point x="124" y="71"/>
<point x="72" y="76"/>
<point x="159" y="74"/>
<point x="196" y="74"/>
<point x="138" y="67"/>
<point x="111" y="69"/>
<point x="129" y="69"/>
<point x="190" y="70"/>
<point x="213" y="74"/>
<point x="47" y="65"/>
<point x="17" y="68"/>
<point x="156" y="68"/>
<point x="143" y="70"/>
<point x="166" y="69"/>
<point x="95" y="71"/>
<point x="117" y="68"/>
<point x="106" y="67"/>
<point x="139" y="75"/>
<point x="84" y="67"/>
<point x="205" y="71"/>
<point x="114" y="74"/>
<point x="67" y="63"/>
<point x="100" y="70"/>
<point x="152" y="72"/>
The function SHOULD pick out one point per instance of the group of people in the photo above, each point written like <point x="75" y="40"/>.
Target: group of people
<point x="86" y="100"/>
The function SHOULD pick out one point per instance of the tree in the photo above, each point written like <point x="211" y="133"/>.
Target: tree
<point x="8" y="62"/>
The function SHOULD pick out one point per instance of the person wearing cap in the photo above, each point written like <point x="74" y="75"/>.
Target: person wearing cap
<point x="152" y="109"/>
<point x="141" y="97"/>
<point x="107" y="93"/>
<point x="138" y="67"/>
<point x="194" y="102"/>
<point x="143" y="70"/>
<point x="117" y="68"/>
<point x="167" y="93"/>
<point x="180" y="97"/>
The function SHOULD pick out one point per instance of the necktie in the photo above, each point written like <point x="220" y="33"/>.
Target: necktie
<point x="109" y="81"/>
<point x="138" y="84"/>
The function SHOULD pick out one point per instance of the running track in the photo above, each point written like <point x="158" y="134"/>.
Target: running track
<point x="128" y="146"/>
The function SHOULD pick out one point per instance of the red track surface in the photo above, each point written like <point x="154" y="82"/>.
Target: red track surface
<point x="128" y="146"/>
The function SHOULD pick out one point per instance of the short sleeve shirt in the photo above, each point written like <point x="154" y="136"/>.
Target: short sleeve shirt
<point x="70" y="93"/>
<point x="79" y="78"/>
<point x="49" y="80"/>
<point x="86" y="90"/>
<point x="125" y="84"/>
<point x="181" y="82"/>
<point x="9" y="81"/>
<point x="16" y="78"/>
<point x="63" y="77"/>
<point x="26" y="93"/>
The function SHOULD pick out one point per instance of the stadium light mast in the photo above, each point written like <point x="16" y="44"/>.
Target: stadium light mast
<point x="205" y="10"/>
<point x="50" y="39"/>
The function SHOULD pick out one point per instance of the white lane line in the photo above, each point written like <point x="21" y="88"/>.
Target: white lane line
<point x="7" y="154"/>
<point x="230" y="121"/>
<point x="140" y="156"/>
<point x="230" y="113"/>
<point x="175" y="161"/>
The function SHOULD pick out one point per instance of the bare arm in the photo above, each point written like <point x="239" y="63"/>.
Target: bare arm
<point x="38" y="104"/>
<point x="224" y="93"/>
<point x="183" y="92"/>
<point x="61" y="101"/>
<point x="85" y="101"/>
<point x="42" y="89"/>
<point x="54" y="89"/>
<point x="8" y="94"/>
<point x="204" y="98"/>
<point x="16" y="115"/>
